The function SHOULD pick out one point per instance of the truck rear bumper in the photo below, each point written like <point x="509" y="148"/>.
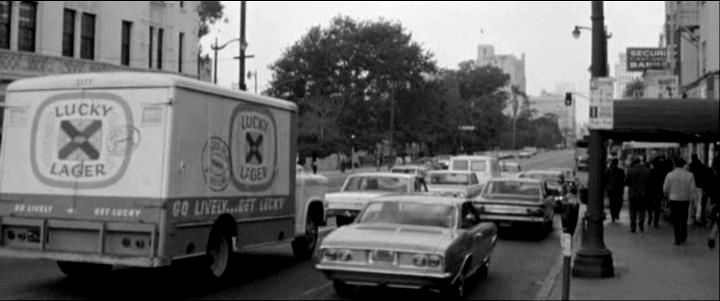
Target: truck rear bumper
<point x="131" y="244"/>
<point x="79" y="257"/>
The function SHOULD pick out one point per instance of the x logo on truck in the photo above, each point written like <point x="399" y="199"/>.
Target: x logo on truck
<point x="79" y="139"/>
<point x="254" y="148"/>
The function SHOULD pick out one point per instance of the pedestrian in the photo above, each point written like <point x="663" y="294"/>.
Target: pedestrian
<point x="714" y="216"/>
<point x="614" y="182"/>
<point x="655" y="194"/>
<point x="638" y="183"/>
<point x="314" y="163"/>
<point x="702" y="175"/>
<point x="679" y="189"/>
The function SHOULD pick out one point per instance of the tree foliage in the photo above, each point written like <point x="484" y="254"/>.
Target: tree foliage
<point x="634" y="89"/>
<point x="209" y="12"/>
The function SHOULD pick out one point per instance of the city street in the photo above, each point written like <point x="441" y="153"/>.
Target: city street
<point x="520" y="265"/>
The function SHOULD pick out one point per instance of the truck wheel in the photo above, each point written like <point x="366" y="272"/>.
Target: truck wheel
<point x="83" y="270"/>
<point x="304" y="246"/>
<point x="219" y="255"/>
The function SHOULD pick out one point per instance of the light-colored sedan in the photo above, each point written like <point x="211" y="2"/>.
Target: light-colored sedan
<point x="517" y="201"/>
<point x="459" y="184"/>
<point x="509" y="169"/>
<point x="410" y="241"/>
<point x="361" y="187"/>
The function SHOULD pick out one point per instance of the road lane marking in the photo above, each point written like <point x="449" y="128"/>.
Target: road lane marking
<point x="317" y="289"/>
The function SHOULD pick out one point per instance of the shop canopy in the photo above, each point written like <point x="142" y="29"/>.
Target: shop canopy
<point x="665" y="120"/>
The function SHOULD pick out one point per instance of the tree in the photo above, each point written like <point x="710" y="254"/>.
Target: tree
<point x="634" y="89"/>
<point x="364" y="66"/>
<point x="209" y="12"/>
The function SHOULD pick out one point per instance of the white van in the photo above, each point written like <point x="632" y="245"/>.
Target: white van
<point x="142" y="169"/>
<point x="485" y="167"/>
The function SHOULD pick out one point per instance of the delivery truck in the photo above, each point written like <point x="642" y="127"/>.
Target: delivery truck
<point x="144" y="169"/>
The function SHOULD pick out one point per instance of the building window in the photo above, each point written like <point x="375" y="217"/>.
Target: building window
<point x="150" y="47"/>
<point x="181" y="42"/>
<point x="125" y="43"/>
<point x="87" y="37"/>
<point x="159" y="48"/>
<point x="5" y="9"/>
<point x="26" y="26"/>
<point x="68" y="33"/>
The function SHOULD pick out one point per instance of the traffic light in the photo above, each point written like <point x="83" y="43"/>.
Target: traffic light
<point x="568" y="99"/>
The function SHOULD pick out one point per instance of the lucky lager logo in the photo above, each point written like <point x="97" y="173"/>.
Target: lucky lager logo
<point x="253" y="138"/>
<point x="75" y="140"/>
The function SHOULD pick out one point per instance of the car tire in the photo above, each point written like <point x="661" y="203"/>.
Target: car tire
<point x="219" y="255"/>
<point x="304" y="246"/>
<point x="482" y="273"/>
<point x="83" y="270"/>
<point x="456" y="290"/>
<point x="342" y="289"/>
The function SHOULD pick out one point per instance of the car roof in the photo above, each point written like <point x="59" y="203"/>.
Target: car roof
<point x="409" y="166"/>
<point x="420" y="198"/>
<point x="544" y="171"/>
<point x="445" y="171"/>
<point x="523" y="180"/>
<point x="472" y="157"/>
<point x="382" y="174"/>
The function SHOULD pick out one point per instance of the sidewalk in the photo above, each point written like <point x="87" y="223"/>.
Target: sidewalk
<point x="649" y="266"/>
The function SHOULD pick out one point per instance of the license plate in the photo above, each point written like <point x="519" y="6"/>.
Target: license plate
<point x="384" y="256"/>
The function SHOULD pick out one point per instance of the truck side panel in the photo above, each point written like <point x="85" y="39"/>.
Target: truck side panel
<point x="228" y="158"/>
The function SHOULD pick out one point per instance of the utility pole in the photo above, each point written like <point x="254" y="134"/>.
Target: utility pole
<point x="215" y="62"/>
<point x="243" y="45"/>
<point x="594" y="260"/>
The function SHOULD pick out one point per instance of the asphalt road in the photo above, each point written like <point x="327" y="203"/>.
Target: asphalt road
<point x="520" y="264"/>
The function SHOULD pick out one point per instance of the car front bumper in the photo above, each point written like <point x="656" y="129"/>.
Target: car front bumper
<point x="367" y="276"/>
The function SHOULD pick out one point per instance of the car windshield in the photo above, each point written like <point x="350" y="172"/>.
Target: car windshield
<point x="376" y="184"/>
<point x="510" y="168"/>
<point x="514" y="188"/>
<point x="409" y="213"/>
<point x="449" y="179"/>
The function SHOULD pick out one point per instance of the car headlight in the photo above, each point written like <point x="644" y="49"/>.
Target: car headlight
<point x="345" y="255"/>
<point x="434" y="261"/>
<point x="420" y="260"/>
<point x="330" y="254"/>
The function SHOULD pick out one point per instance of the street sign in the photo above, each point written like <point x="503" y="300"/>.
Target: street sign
<point x="646" y="58"/>
<point x="601" y="103"/>
<point x="665" y="86"/>
<point x="566" y="244"/>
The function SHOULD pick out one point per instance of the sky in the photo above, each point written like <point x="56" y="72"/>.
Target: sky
<point x="451" y="31"/>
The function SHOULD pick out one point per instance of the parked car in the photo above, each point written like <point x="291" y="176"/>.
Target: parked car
<point x="417" y="170"/>
<point x="430" y="162"/>
<point x="485" y="167"/>
<point x="581" y="163"/>
<point x="444" y="161"/>
<point x="570" y="177"/>
<point x="361" y="187"/>
<point x="508" y="202"/>
<point x="459" y="184"/>
<point x="509" y="169"/>
<point x="555" y="182"/>
<point x="411" y="241"/>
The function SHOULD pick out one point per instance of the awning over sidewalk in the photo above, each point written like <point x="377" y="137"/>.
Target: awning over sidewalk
<point x="666" y="120"/>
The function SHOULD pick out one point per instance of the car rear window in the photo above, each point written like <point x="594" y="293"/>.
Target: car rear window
<point x="450" y="179"/>
<point x="513" y="188"/>
<point x="376" y="184"/>
<point x="478" y="166"/>
<point x="409" y="213"/>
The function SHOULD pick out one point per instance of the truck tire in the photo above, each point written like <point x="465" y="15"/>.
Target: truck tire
<point x="304" y="246"/>
<point x="219" y="255"/>
<point x="83" y="270"/>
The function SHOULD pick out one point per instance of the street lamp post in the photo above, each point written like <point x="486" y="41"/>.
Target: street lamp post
<point x="215" y="48"/>
<point x="594" y="260"/>
<point x="243" y="45"/>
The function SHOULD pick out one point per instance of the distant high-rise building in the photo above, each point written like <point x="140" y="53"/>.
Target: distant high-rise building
<point x="622" y="76"/>
<point x="510" y="64"/>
